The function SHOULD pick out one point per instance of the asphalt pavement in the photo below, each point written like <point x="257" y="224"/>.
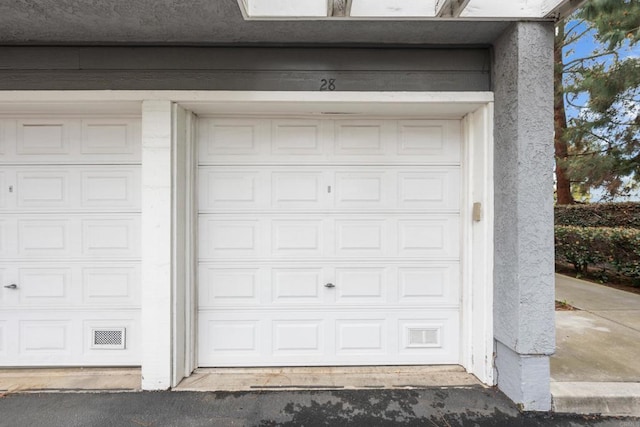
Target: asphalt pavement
<point x="436" y="407"/>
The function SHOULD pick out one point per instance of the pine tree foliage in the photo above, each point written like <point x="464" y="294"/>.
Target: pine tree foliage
<point x="599" y="147"/>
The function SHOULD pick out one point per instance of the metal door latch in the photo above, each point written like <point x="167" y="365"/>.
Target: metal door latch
<point x="329" y="285"/>
<point x="11" y="286"/>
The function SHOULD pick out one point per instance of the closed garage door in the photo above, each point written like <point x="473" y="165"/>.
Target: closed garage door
<point x="70" y="246"/>
<point x="329" y="242"/>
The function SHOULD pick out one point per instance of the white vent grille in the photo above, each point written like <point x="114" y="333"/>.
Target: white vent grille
<point x="108" y="338"/>
<point x="424" y="337"/>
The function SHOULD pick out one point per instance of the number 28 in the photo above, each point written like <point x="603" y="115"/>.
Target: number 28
<point x="328" y="84"/>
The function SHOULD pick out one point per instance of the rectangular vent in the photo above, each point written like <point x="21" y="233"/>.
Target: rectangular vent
<point x="424" y="337"/>
<point x="108" y="338"/>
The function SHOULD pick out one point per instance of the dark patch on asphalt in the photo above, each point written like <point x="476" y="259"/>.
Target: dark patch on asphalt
<point x="436" y="407"/>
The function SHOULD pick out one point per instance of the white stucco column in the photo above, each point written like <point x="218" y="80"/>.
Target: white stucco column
<point x="524" y="254"/>
<point x="156" y="244"/>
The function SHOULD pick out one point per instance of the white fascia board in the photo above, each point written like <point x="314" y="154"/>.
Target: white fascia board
<point x="287" y="8"/>
<point x="412" y="9"/>
<point x="503" y="9"/>
<point x="393" y="8"/>
<point x="560" y="8"/>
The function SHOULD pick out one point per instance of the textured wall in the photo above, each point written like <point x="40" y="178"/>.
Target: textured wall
<point x="524" y="280"/>
<point x="525" y="379"/>
<point x="524" y="264"/>
<point x="209" y="22"/>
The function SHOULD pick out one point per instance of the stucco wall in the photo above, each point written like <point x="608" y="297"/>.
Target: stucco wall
<point x="211" y="22"/>
<point x="523" y="267"/>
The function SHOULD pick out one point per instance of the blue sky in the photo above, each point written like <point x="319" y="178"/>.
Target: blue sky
<point x="584" y="48"/>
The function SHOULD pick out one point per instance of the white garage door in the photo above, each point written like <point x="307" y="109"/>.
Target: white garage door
<point x="329" y="242"/>
<point x="69" y="241"/>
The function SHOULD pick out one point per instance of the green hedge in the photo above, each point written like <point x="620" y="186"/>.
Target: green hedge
<point x="599" y="215"/>
<point x="616" y="249"/>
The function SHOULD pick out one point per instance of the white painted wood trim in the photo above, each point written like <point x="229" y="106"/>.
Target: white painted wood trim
<point x="191" y="251"/>
<point x="156" y="316"/>
<point x="180" y="238"/>
<point x="478" y="342"/>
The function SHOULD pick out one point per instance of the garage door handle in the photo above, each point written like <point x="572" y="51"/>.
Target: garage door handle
<point x="11" y="286"/>
<point x="329" y="285"/>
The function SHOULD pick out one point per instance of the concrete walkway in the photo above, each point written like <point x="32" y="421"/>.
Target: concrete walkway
<point x="595" y="368"/>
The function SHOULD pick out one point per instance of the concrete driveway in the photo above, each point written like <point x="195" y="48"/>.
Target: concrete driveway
<point x="595" y="368"/>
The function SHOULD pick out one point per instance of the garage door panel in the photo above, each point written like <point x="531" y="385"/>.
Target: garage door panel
<point x="285" y="236"/>
<point x="95" y="236"/>
<point x="302" y="285"/>
<point x="71" y="284"/>
<point x="363" y="189"/>
<point x="3" y="194"/>
<point x="238" y="336"/>
<point x="291" y="238"/>
<point x="45" y="238"/>
<point x="284" y="189"/>
<point x="362" y="238"/>
<point x="110" y="137"/>
<point x="429" y="140"/>
<point x="111" y="237"/>
<point x="43" y="189"/>
<point x="74" y="188"/>
<point x="47" y="338"/>
<point x="3" y="338"/>
<point x="225" y="139"/>
<point x="298" y="338"/>
<point x="363" y="137"/>
<point x="8" y="236"/>
<point x="4" y="278"/>
<point x="46" y="286"/>
<point x="240" y="189"/>
<point x="436" y="189"/>
<point x="41" y="137"/>
<point x="230" y="285"/>
<point x="429" y="284"/>
<point x="294" y="338"/>
<point x="350" y="142"/>
<point x="55" y="338"/>
<point x="282" y="284"/>
<point x="361" y="337"/>
<point x="114" y="284"/>
<point x="297" y="189"/>
<point x="111" y="189"/>
<point x="362" y="285"/>
<point x="436" y="237"/>
<point x="301" y="138"/>
<point x="71" y="140"/>
<point x="228" y="238"/>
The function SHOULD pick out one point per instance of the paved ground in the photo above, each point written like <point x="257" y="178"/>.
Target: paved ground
<point x="436" y="407"/>
<point x="595" y="368"/>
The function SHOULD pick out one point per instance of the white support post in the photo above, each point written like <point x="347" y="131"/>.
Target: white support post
<point x="157" y="153"/>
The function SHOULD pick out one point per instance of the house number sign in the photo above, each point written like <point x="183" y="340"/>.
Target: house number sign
<point x="328" y="84"/>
